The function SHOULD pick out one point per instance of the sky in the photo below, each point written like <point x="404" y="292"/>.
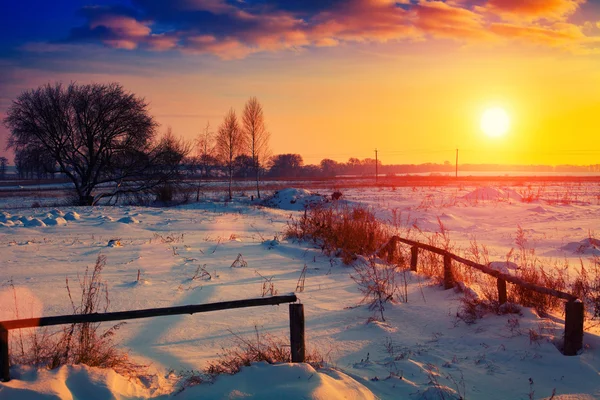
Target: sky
<point x="337" y="79"/>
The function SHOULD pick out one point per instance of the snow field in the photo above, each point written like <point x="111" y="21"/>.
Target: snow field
<point x="422" y="350"/>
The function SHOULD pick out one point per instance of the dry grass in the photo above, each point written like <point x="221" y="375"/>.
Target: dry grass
<point x="245" y="351"/>
<point x="340" y="230"/>
<point x="377" y="283"/>
<point x="83" y="343"/>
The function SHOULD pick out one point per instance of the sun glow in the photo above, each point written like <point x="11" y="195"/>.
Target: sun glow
<point x="495" y="122"/>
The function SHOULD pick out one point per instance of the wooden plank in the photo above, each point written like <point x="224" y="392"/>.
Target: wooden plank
<point x="574" y="314"/>
<point x="490" y="271"/>
<point x="146" y="313"/>
<point x="297" y="340"/>
<point x="414" y="257"/>
<point x="501" y="291"/>
<point x="4" y="361"/>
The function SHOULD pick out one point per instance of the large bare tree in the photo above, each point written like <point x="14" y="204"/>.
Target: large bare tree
<point x="256" y="137"/>
<point x="98" y="134"/>
<point x="229" y="144"/>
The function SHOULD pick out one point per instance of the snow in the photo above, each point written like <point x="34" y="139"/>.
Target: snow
<point x="490" y="193"/>
<point x="422" y="350"/>
<point x="295" y="199"/>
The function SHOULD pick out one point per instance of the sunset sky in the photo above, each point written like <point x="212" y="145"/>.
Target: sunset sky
<point x="337" y="79"/>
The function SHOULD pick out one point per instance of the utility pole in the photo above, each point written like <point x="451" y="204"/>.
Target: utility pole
<point x="456" y="169"/>
<point x="376" y="173"/>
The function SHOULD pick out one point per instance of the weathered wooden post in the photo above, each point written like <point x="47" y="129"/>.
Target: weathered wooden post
<point x="4" y="363"/>
<point x="414" y="256"/>
<point x="448" y="278"/>
<point x="574" y="313"/>
<point x="298" y="348"/>
<point x="501" y="291"/>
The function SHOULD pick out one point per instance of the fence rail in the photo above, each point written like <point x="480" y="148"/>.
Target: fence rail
<point x="296" y="313"/>
<point x="574" y="308"/>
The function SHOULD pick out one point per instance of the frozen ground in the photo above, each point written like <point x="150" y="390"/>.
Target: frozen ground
<point x="422" y="350"/>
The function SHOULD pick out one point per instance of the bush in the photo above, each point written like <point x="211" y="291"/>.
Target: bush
<point x="340" y="230"/>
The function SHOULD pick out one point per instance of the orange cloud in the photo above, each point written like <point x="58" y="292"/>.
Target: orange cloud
<point x="440" y="19"/>
<point x="558" y="35"/>
<point x="531" y="10"/>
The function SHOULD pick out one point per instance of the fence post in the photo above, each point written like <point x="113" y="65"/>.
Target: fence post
<point x="501" y="291"/>
<point x="574" y="314"/>
<point x="298" y="349"/>
<point x="4" y="363"/>
<point x="448" y="278"/>
<point x="414" y="256"/>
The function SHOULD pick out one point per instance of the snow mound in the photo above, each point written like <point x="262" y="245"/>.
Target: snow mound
<point x="295" y="199"/>
<point x="586" y="246"/>
<point x="4" y="216"/>
<point x="72" y="216"/>
<point x="506" y="267"/>
<point x="538" y="209"/>
<point x="70" y="382"/>
<point x="490" y="193"/>
<point x="58" y="221"/>
<point x="33" y="222"/>
<point x="57" y="212"/>
<point x="7" y="224"/>
<point x="128" y="220"/>
<point x="280" y="381"/>
<point x="259" y="381"/>
<point x="106" y="218"/>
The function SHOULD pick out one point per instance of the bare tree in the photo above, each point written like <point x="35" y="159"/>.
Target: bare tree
<point x="256" y="135"/>
<point x="98" y="134"/>
<point x="229" y="144"/>
<point x="205" y="150"/>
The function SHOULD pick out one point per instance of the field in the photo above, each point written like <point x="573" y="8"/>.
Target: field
<point x="427" y="347"/>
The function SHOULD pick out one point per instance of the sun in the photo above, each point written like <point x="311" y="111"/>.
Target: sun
<point x="495" y="122"/>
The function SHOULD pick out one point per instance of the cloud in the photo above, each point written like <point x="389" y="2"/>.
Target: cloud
<point x="440" y="19"/>
<point x="558" y="35"/>
<point x="531" y="10"/>
<point x="236" y="28"/>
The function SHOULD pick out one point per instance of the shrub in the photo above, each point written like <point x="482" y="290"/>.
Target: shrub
<point x="377" y="282"/>
<point x="340" y="230"/>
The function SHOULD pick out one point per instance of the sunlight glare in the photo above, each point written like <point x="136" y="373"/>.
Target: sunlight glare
<point x="495" y="122"/>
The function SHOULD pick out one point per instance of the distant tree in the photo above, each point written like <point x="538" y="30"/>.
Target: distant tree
<point x="310" y="171"/>
<point x="34" y="162"/>
<point x="205" y="150"/>
<point x="97" y="134"/>
<point x="3" y="163"/>
<point x="329" y="167"/>
<point x="243" y="166"/>
<point x="229" y="144"/>
<point x="256" y="136"/>
<point x="286" y="165"/>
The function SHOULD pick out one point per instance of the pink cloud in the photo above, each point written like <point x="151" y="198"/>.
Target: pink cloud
<point x="122" y="26"/>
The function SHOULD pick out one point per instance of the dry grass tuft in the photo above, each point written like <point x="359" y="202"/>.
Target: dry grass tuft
<point x="340" y="230"/>
<point x="83" y="343"/>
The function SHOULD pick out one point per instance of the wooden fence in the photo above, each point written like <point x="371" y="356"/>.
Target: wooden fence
<point x="296" y="312"/>
<point x="574" y="309"/>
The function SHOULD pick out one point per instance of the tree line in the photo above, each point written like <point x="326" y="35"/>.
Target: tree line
<point x="103" y="139"/>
